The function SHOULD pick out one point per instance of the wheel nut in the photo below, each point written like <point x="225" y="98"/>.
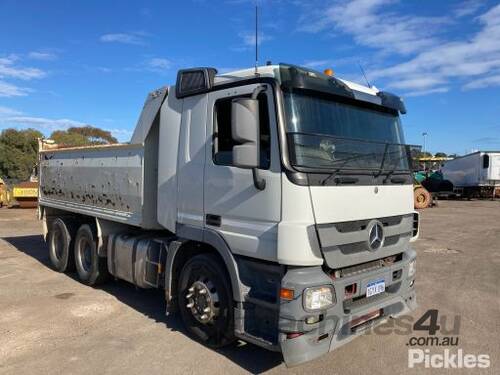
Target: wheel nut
<point x="190" y="305"/>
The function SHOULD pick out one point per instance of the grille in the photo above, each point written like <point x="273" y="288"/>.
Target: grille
<point x="357" y="247"/>
<point x="354" y="233"/>
<point x="346" y="243"/>
<point x="352" y="248"/>
<point x="391" y="240"/>
<point x="361" y="268"/>
<point x="354" y="226"/>
<point x="368" y="266"/>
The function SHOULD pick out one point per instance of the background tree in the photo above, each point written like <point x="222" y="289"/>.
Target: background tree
<point x="82" y="136"/>
<point x="440" y="155"/>
<point x="18" y="152"/>
<point x="18" y="148"/>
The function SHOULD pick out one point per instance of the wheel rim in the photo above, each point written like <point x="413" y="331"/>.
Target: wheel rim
<point x="202" y="300"/>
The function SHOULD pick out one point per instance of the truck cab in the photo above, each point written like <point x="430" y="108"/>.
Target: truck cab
<point x="274" y="206"/>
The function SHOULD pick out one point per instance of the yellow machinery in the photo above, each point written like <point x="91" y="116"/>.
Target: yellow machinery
<point x="4" y="194"/>
<point x="431" y="162"/>
<point x="422" y="198"/>
<point x="26" y="194"/>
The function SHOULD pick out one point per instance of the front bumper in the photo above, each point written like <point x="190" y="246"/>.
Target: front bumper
<point x="334" y="326"/>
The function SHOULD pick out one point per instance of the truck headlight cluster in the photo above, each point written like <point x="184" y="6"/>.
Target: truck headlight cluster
<point x="319" y="298"/>
<point x="412" y="267"/>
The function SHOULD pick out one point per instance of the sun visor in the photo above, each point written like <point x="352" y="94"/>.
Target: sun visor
<point x="392" y="101"/>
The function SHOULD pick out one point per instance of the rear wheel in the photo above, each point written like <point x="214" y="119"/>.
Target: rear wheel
<point x="91" y="268"/>
<point x="205" y="300"/>
<point x="60" y="239"/>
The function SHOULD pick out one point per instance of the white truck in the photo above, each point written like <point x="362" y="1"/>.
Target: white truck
<point x="476" y="174"/>
<point x="273" y="207"/>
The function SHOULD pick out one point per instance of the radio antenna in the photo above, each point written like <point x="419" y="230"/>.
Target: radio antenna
<point x="364" y="75"/>
<point x="256" y="38"/>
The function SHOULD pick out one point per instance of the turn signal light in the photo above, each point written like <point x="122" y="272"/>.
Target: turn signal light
<point x="286" y="294"/>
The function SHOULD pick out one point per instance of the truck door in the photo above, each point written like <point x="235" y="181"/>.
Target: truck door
<point x="246" y="217"/>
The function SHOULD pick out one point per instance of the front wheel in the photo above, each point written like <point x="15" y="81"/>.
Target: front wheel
<point x="91" y="268"/>
<point x="205" y="300"/>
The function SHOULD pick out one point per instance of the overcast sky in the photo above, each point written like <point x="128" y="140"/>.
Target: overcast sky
<point x="67" y="63"/>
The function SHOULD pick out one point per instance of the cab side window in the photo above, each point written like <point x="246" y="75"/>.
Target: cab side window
<point x="222" y="140"/>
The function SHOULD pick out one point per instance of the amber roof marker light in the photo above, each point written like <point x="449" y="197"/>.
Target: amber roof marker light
<point x="329" y="72"/>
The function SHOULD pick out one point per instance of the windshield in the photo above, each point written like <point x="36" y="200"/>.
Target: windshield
<point x="332" y="135"/>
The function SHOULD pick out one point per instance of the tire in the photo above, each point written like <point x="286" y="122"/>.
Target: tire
<point x="422" y="198"/>
<point x="61" y="238"/>
<point x="91" y="268"/>
<point x="206" y="271"/>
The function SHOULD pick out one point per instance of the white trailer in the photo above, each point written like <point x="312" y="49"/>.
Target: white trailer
<point x="276" y="208"/>
<point x="475" y="174"/>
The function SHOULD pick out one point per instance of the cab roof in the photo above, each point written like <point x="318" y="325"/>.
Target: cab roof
<point x="314" y="80"/>
<point x="273" y="71"/>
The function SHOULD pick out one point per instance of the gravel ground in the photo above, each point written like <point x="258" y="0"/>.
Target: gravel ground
<point x="50" y="323"/>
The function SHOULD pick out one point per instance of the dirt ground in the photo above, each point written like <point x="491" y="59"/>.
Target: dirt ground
<point x="52" y="324"/>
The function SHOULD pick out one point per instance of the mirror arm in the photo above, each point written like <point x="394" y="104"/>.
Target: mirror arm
<point x="258" y="181"/>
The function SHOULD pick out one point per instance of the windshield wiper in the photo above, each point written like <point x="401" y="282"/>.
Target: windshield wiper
<point x="344" y="180"/>
<point x="328" y="177"/>
<point x="391" y="171"/>
<point x="383" y="160"/>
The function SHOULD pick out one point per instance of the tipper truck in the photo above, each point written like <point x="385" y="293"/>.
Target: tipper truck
<point x="274" y="206"/>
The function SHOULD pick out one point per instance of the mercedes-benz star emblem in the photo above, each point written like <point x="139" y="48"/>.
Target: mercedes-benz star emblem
<point x="375" y="235"/>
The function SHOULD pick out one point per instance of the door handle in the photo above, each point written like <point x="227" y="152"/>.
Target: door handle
<point x="213" y="220"/>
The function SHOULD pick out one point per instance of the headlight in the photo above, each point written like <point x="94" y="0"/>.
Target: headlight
<point x="319" y="297"/>
<point x="412" y="267"/>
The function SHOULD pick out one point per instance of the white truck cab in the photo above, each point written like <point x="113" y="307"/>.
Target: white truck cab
<point x="273" y="206"/>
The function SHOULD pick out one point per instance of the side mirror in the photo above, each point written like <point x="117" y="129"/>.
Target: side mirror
<point x="245" y="127"/>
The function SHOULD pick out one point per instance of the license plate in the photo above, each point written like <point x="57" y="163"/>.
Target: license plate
<point x="375" y="287"/>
